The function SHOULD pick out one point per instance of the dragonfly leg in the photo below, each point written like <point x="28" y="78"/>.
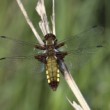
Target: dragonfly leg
<point x="59" y="45"/>
<point x="41" y="58"/>
<point x="40" y="47"/>
<point x="61" y="55"/>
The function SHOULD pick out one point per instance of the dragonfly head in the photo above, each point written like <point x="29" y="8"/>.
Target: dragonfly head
<point x="50" y="36"/>
<point x="50" y="39"/>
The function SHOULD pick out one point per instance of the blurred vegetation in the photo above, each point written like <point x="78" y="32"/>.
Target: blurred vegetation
<point x="23" y="85"/>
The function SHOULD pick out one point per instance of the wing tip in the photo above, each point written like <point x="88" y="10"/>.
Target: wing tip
<point x="3" y="36"/>
<point x="2" y="58"/>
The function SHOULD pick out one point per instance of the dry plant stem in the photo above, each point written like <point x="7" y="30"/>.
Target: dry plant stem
<point x="70" y="81"/>
<point x="53" y="18"/>
<point x="44" y="25"/>
<point x="29" y="22"/>
<point x="75" y="105"/>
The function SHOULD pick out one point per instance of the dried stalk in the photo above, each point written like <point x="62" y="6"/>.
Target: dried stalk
<point x="44" y="25"/>
<point x="53" y="18"/>
<point x="75" y="105"/>
<point x="29" y="22"/>
<point x="71" y="83"/>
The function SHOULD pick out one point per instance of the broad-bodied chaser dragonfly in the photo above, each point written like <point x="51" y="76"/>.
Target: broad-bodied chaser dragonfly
<point x="84" y="43"/>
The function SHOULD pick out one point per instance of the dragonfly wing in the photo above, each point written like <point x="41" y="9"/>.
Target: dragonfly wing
<point x="79" y="57"/>
<point x="3" y="38"/>
<point x="86" y="39"/>
<point x="23" y="60"/>
<point x="82" y="46"/>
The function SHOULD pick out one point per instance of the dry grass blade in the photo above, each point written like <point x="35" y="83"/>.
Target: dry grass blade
<point x="29" y="22"/>
<point x="44" y="25"/>
<point x="70" y="81"/>
<point x="75" y="105"/>
<point x="53" y="18"/>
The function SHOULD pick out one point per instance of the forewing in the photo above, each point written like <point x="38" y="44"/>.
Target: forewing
<point x="16" y="46"/>
<point x="89" y="38"/>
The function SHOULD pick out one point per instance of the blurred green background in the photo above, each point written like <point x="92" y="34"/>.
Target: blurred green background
<point x="23" y="85"/>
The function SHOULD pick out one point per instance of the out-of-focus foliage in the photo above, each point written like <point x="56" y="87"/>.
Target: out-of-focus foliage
<point x="23" y="85"/>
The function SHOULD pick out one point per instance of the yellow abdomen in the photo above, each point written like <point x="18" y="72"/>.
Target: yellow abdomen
<point x="52" y="72"/>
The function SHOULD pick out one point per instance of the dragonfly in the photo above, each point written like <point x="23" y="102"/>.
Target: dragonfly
<point x="86" y="42"/>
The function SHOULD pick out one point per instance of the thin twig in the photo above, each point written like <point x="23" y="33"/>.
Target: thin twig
<point x="29" y="22"/>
